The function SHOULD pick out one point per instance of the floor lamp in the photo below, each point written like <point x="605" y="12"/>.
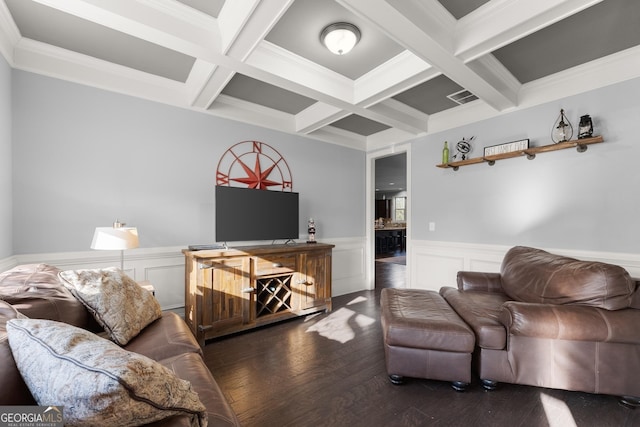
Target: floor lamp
<point x="117" y="237"/>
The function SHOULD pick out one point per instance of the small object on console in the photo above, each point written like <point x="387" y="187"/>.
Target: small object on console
<point x="207" y="247"/>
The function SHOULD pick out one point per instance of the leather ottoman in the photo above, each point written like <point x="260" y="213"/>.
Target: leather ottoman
<point x="425" y="338"/>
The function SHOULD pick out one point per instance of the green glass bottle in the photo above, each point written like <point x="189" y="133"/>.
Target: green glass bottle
<point x="445" y="154"/>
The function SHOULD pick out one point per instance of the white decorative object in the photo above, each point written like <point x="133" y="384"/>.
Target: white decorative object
<point x="117" y="237"/>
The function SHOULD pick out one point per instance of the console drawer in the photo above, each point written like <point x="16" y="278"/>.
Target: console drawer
<point x="275" y="265"/>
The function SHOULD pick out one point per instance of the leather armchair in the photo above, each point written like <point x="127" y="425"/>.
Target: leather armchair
<point x="552" y="321"/>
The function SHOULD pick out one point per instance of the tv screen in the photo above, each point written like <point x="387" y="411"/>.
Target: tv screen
<point x="245" y="214"/>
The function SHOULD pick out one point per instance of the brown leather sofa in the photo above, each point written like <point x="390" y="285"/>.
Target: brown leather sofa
<point x="35" y="291"/>
<point x="551" y="321"/>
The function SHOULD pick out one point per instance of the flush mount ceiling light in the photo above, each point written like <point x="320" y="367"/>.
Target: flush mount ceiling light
<point x="340" y="37"/>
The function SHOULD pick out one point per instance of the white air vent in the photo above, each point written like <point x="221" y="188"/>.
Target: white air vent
<point x="462" y="97"/>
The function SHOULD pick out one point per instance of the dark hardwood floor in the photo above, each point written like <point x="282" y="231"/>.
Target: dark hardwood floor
<point x="328" y="370"/>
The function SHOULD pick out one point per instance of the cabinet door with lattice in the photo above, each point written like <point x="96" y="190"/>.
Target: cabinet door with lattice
<point x="227" y="294"/>
<point x="312" y="286"/>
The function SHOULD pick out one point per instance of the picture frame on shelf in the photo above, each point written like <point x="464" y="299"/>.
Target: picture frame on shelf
<point x="507" y="147"/>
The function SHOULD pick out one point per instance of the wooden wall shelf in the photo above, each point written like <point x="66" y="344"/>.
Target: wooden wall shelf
<point x="579" y="144"/>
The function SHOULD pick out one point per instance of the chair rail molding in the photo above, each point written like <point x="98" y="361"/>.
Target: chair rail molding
<point x="164" y="267"/>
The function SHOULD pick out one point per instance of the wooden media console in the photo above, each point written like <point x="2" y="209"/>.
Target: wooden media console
<point x="231" y="290"/>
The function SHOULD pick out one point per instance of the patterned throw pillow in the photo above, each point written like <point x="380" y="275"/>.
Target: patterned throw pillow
<point x="96" y="381"/>
<point x="117" y="302"/>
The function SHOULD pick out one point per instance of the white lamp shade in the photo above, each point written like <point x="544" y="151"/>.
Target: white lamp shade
<point x="340" y="38"/>
<point x="109" y="238"/>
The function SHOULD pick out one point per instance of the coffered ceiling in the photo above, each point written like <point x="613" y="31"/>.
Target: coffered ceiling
<point x="262" y="62"/>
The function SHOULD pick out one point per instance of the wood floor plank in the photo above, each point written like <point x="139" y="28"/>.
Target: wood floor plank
<point x="328" y="369"/>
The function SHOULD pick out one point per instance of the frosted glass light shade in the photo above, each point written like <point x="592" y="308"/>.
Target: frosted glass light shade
<point x="109" y="238"/>
<point x="340" y="37"/>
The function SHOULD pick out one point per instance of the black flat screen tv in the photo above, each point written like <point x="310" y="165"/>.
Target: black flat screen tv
<point x="246" y="214"/>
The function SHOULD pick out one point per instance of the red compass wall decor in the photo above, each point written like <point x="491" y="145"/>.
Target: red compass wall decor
<point x="254" y="164"/>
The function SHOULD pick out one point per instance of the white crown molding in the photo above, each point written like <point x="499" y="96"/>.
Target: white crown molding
<point x="334" y="135"/>
<point x="9" y="34"/>
<point x="389" y="138"/>
<point x="612" y="69"/>
<point x="63" y="64"/>
<point x="250" y="113"/>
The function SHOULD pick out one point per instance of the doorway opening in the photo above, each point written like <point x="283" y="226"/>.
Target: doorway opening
<point x="391" y="203"/>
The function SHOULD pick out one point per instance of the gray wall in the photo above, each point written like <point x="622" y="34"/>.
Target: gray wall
<point x="563" y="199"/>
<point x="84" y="157"/>
<point x="6" y="204"/>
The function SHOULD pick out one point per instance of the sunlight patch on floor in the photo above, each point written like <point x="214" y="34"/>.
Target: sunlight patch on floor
<point x="357" y="300"/>
<point x="558" y="413"/>
<point x="341" y="325"/>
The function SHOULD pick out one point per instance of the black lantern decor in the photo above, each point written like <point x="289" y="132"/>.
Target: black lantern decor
<point x="562" y="130"/>
<point x="586" y="127"/>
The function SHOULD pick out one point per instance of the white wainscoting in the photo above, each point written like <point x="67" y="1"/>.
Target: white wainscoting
<point x="164" y="267"/>
<point x="436" y="264"/>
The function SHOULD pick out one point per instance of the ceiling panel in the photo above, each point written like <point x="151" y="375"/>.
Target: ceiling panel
<point x="359" y="125"/>
<point x="460" y="8"/>
<point x="298" y="31"/>
<point x="430" y="97"/>
<point x="601" y="30"/>
<point x="261" y="93"/>
<point x="48" y="25"/>
<point x="391" y="88"/>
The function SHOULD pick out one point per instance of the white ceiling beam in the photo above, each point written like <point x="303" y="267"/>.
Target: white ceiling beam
<point x="232" y="18"/>
<point x="501" y="22"/>
<point x="494" y="72"/>
<point x="243" y="25"/>
<point x="199" y="78"/>
<point x="250" y="25"/>
<point x="401" y="113"/>
<point x="318" y="115"/>
<point x="398" y="74"/>
<point x="407" y="27"/>
<point x="277" y="66"/>
<point x="281" y="68"/>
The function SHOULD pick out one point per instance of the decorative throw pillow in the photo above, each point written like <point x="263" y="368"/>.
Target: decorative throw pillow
<point x="118" y="303"/>
<point x="96" y="381"/>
